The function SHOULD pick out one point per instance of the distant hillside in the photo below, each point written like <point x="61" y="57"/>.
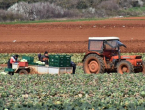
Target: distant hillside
<point x="46" y="9"/>
<point x="79" y="4"/>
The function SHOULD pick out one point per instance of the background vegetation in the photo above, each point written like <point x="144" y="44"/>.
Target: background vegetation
<point x="46" y="9"/>
<point x="80" y="4"/>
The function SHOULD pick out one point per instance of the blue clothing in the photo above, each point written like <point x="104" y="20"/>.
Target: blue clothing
<point x="39" y="56"/>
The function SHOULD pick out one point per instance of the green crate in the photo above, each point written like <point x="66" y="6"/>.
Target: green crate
<point x="54" y="64"/>
<point x="59" y="60"/>
<point x="28" y="58"/>
<point x="32" y="63"/>
<point x="9" y="70"/>
<point x="68" y="65"/>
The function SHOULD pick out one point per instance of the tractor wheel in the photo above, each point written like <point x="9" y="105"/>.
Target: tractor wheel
<point x="125" y="67"/>
<point x="23" y="72"/>
<point x="93" y="64"/>
<point x="143" y="67"/>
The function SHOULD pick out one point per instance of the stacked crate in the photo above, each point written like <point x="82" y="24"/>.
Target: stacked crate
<point x="59" y="60"/>
<point x="28" y="58"/>
<point x="9" y="70"/>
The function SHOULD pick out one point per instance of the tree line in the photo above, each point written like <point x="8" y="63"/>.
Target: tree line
<point x="76" y="4"/>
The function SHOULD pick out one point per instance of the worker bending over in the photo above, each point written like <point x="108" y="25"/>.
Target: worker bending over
<point x="13" y="59"/>
<point x="45" y="57"/>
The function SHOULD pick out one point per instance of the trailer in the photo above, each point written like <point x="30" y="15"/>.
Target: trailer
<point x="38" y="69"/>
<point x="50" y="70"/>
<point x="58" y="64"/>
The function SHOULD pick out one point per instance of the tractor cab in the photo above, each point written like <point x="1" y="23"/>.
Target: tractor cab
<point x="107" y="46"/>
<point x="104" y="54"/>
<point x="98" y="44"/>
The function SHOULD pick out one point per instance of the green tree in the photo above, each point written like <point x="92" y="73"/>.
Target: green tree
<point x="82" y="5"/>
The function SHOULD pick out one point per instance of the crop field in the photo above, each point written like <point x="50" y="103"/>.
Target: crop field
<point x="70" y="37"/>
<point x="71" y="92"/>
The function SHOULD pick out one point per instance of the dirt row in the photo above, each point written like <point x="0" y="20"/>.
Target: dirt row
<point x="71" y="37"/>
<point x="63" y="47"/>
<point x="124" y="32"/>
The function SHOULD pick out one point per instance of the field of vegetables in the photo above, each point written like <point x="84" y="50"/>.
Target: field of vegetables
<point x="72" y="92"/>
<point x="75" y="57"/>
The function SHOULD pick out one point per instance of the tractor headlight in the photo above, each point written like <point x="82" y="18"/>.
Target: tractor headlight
<point x="140" y="63"/>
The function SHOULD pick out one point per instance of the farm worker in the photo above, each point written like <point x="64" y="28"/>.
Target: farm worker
<point x="39" y="56"/>
<point x="74" y="66"/>
<point x="45" y="57"/>
<point x="12" y="60"/>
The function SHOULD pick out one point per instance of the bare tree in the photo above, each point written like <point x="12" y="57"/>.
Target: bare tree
<point x="109" y="5"/>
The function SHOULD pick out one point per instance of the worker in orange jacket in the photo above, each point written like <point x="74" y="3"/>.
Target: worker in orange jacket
<point x="13" y="59"/>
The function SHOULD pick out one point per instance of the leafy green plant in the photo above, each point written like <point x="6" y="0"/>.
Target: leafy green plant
<point x="68" y="92"/>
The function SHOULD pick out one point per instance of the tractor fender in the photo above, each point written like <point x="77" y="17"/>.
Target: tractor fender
<point x="89" y="54"/>
<point x="116" y="61"/>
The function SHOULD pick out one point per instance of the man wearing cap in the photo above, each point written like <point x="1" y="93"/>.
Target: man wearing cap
<point x="45" y="57"/>
<point x="12" y="60"/>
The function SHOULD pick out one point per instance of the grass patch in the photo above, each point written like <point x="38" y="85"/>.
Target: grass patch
<point x="131" y="19"/>
<point x="53" y="20"/>
<point x="137" y="9"/>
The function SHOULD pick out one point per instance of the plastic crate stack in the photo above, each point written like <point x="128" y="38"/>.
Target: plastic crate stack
<point x="30" y="60"/>
<point x="59" y="60"/>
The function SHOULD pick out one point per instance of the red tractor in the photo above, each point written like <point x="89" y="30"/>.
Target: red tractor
<point x="104" y="56"/>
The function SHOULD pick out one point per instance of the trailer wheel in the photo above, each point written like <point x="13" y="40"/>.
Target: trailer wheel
<point x="23" y="72"/>
<point x="125" y="67"/>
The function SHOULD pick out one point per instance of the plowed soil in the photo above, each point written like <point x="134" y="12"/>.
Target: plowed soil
<point x="71" y="37"/>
